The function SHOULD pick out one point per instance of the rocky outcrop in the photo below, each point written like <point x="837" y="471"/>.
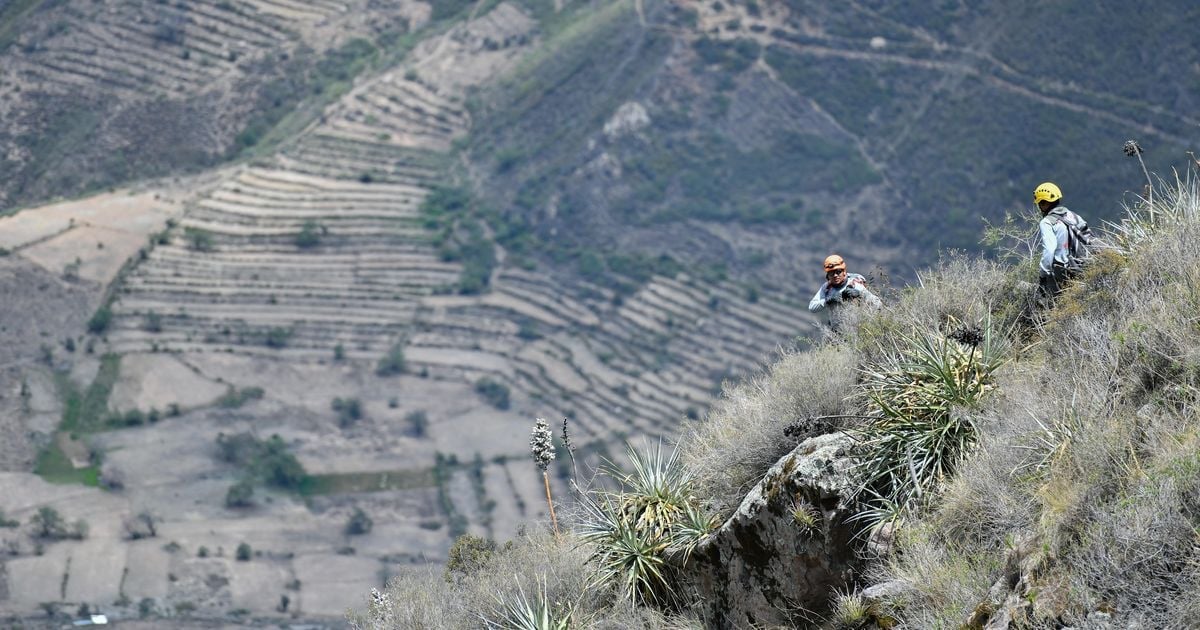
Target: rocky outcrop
<point x="788" y="546"/>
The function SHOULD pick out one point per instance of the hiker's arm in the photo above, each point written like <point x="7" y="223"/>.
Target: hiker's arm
<point x="1049" y="244"/>
<point x="818" y="302"/>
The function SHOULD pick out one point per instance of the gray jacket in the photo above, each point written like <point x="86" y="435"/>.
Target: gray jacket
<point x="854" y="288"/>
<point x="1054" y="234"/>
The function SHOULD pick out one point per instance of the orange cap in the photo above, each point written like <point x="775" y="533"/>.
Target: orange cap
<point x="834" y="263"/>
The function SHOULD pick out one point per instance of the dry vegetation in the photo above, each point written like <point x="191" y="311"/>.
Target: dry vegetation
<point x="1072" y="502"/>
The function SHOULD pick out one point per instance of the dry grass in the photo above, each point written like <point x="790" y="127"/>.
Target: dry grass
<point x="1086" y="445"/>
<point x="536" y="567"/>
<point x="757" y="422"/>
<point x="1090" y="448"/>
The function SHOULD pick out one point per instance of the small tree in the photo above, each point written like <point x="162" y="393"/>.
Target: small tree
<point x="144" y="525"/>
<point x="100" y="320"/>
<point x="349" y="411"/>
<point x="243" y="552"/>
<point x="277" y="337"/>
<point x="494" y="392"/>
<point x="153" y="322"/>
<point x="199" y="240"/>
<point x="240" y="494"/>
<point x="392" y="363"/>
<point x="418" y="423"/>
<point x="309" y="236"/>
<point x="279" y="466"/>
<point x="467" y="556"/>
<point x="359" y="523"/>
<point x="48" y="523"/>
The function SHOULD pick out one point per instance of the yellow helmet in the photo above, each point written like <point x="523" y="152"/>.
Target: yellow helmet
<point x="834" y="263"/>
<point x="1047" y="192"/>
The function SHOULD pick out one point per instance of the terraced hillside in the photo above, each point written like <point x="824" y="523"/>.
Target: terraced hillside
<point x="313" y="276"/>
<point x="331" y="348"/>
<point x="165" y="86"/>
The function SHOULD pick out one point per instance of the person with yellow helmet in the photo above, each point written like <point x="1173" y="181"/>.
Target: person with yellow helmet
<point x="1064" y="237"/>
<point x="841" y="287"/>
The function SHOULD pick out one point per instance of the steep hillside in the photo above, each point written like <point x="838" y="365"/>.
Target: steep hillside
<point x="353" y="247"/>
<point x="752" y="138"/>
<point x="970" y="457"/>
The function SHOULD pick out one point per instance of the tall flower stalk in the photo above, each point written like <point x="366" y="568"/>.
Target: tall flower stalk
<point x="1133" y="149"/>
<point x="541" y="443"/>
<point x="566" y="438"/>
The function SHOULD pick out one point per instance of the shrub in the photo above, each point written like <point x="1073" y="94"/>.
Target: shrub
<point x="349" y="411"/>
<point x="359" y="523"/>
<point x="467" y="556"/>
<point x="243" y="552"/>
<point x="240" y="494"/>
<point x="418" y="423"/>
<point x="279" y="467"/>
<point x="392" y="363"/>
<point x="266" y="460"/>
<point x="48" y="523"/>
<point x="199" y="240"/>
<point x="153" y="322"/>
<point x="277" y="337"/>
<point x="100" y="320"/>
<point x="478" y="256"/>
<point x="495" y="393"/>
<point x="309" y="235"/>
<point x="143" y="525"/>
<point x="234" y="398"/>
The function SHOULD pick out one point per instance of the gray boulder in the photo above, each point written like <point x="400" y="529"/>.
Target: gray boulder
<point x="778" y="558"/>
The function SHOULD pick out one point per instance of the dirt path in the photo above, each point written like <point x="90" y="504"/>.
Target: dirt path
<point x="991" y="79"/>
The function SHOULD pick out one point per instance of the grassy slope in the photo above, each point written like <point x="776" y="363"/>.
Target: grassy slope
<point x="1083" y="458"/>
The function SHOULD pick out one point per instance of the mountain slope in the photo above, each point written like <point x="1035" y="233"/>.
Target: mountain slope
<point x="1052" y="445"/>
<point x="760" y="136"/>
<point x="99" y="93"/>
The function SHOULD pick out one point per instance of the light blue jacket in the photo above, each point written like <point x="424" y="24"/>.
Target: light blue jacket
<point x="1054" y="234"/>
<point x="854" y="287"/>
<point x="1054" y="244"/>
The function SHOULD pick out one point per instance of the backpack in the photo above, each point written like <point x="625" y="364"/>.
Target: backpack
<point x="1079" y="236"/>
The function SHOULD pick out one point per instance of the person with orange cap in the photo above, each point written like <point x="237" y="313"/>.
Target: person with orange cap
<point x="1064" y="237"/>
<point x="841" y="287"/>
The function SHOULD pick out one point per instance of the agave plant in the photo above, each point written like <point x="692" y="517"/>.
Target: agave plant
<point x="922" y="395"/>
<point x="633" y="531"/>
<point x="518" y="612"/>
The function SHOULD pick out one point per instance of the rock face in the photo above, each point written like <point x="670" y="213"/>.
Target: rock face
<point x="778" y="558"/>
